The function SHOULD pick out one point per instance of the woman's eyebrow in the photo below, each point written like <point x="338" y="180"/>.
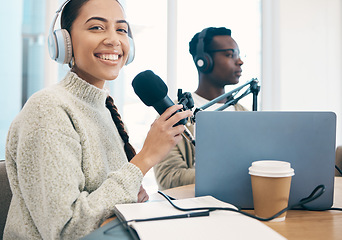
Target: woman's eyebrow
<point x="122" y="21"/>
<point x="97" y="18"/>
<point x="105" y="20"/>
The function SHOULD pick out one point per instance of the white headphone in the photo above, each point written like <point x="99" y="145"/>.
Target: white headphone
<point x="60" y="47"/>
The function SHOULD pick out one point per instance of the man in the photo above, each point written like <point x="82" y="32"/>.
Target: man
<point x="216" y="56"/>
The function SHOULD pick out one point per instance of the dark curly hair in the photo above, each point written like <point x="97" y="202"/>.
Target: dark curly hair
<point x="211" y="32"/>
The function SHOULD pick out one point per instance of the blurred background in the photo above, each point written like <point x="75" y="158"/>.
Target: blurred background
<point x="293" y="47"/>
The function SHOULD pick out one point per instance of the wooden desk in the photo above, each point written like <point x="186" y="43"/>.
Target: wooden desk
<point x="298" y="224"/>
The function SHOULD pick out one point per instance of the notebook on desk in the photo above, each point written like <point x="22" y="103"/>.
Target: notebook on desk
<point x="228" y="142"/>
<point x="212" y="225"/>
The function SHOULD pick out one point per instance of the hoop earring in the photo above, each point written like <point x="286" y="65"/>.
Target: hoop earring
<point x="72" y="63"/>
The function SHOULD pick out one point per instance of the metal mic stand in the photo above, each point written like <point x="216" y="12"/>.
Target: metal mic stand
<point x="188" y="103"/>
<point x="253" y="88"/>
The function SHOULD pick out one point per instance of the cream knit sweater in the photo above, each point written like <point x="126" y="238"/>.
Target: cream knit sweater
<point x="66" y="164"/>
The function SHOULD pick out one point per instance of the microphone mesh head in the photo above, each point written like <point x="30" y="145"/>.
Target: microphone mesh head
<point x="149" y="87"/>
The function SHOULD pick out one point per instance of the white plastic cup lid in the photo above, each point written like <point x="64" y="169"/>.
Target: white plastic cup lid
<point x="271" y="168"/>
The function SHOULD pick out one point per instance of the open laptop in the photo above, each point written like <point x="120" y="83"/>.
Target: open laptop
<point x="228" y="142"/>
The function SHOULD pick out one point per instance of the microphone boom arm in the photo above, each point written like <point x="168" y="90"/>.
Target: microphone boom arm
<point x="219" y="98"/>
<point x="234" y="101"/>
<point x="254" y="88"/>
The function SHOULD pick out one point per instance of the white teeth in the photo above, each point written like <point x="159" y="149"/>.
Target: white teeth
<point x="112" y="57"/>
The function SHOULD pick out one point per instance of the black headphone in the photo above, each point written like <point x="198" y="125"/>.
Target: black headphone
<point x="203" y="60"/>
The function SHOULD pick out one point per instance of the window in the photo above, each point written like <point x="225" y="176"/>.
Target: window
<point x="22" y="69"/>
<point x="33" y="43"/>
<point x="152" y="39"/>
<point x="162" y="32"/>
<point x="163" y="28"/>
<point x="245" y="23"/>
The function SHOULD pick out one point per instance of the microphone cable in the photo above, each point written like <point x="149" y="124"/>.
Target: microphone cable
<point x="205" y="211"/>
<point x="338" y="169"/>
<point x="316" y="193"/>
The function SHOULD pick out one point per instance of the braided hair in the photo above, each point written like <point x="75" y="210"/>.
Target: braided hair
<point x="129" y="150"/>
<point x="70" y="12"/>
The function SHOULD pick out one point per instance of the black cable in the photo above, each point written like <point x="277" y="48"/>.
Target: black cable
<point x="333" y="208"/>
<point x="311" y="209"/>
<point x="338" y="169"/>
<point x="221" y="208"/>
<point x="204" y="213"/>
<point x="316" y="193"/>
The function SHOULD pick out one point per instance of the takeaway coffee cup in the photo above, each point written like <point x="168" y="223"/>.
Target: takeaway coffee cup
<point x="271" y="181"/>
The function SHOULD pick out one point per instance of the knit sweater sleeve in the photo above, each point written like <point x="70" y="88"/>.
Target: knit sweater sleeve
<point x="51" y="182"/>
<point x="47" y="175"/>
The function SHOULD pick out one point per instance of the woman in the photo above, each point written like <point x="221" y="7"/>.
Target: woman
<point x="67" y="161"/>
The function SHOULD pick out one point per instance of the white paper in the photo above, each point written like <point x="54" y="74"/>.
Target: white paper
<point x="219" y="225"/>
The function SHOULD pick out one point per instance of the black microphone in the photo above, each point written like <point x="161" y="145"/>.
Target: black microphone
<point x="152" y="91"/>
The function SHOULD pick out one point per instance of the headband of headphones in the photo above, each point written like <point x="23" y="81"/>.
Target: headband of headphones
<point x="60" y="46"/>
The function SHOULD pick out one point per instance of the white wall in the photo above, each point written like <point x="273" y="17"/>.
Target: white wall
<point x="302" y="49"/>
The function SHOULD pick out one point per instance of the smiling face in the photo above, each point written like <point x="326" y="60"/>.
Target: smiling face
<point x="100" y="41"/>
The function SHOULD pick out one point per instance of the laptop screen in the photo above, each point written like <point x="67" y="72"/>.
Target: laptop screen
<point x="228" y="142"/>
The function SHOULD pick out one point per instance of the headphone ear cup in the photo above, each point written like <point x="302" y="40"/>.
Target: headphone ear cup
<point x="131" y="53"/>
<point x="203" y="60"/>
<point x="52" y="46"/>
<point x="204" y="63"/>
<point x="63" y="46"/>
